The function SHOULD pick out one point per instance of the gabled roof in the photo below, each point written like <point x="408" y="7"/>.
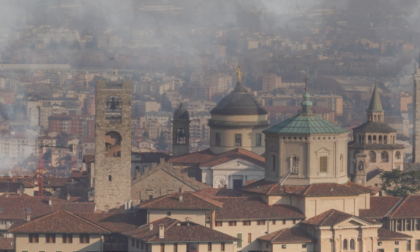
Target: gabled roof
<point x="408" y="208"/>
<point x="189" y="201"/>
<point x="218" y="192"/>
<point x="177" y="231"/>
<point x="254" y="208"/>
<point x="235" y="154"/>
<point x="58" y="222"/>
<point x="306" y="124"/>
<point x="117" y="222"/>
<point x="193" y="158"/>
<point x="313" y="190"/>
<point x="288" y="235"/>
<point x="380" y="206"/>
<point x="333" y="217"/>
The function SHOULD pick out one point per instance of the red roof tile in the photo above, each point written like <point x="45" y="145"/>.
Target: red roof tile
<point x="409" y="207"/>
<point x="58" y="222"/>
<point x="117" y="222"/>
<point x="189" y="201"/>
<point x="193" y="158"/>
<point x="216" y="192"/>
<point x="288" y="235"/>
<point x="232" y="155"/>
<point x="176" y="231"/>
<point x="385" y="234"/>
<point x="7" y="244"/>
<point x="332" y="217"/>
<point x="254" y="208"/>
<point x="380" y="206"/>
<point x="314" y="190"/>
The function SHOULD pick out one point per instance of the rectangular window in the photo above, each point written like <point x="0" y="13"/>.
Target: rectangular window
<point x="137" y="244"/>
<point x="294" y="221"/>
<point x="218" y="223"/>
<point x="417" y="245"/>
<point x="399" y="225"/>
<point x="132" y="242"/>
<point x="284" y="222"/>
<point x="218" y="139"/>
<point x="209" y="247"/>
<point x="84" y="238"/>
<point x="238" y="140"/>
<point x="246" y="223"/>
<point x="274" y="222"/>
<point x="259" y="140"/>
<point x="141" y="245"/>
<point x="67" y="238"/>
<point x="249" y="238"/>
<point x="162" y="247"/>
<point x="261" y="222"/>
<point x="222" y="246"/>
<point x="239" y="236"/>
<point x="408" y="245"/>
<point x="232" y="223"/>
<point x="397" y="243"/>
<point x="168" y="213"/>
<point x="417" y="223"/>
<point x="273" y="162"/>
<point x="33" y="238"/>
<point x="323" y="164"/>
<point x="50" y="238"/>
<point x="408" y="225"/>
<point x="175" y="247"/>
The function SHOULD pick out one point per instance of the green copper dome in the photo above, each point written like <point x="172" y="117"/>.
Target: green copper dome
<point x="306" y="123"/>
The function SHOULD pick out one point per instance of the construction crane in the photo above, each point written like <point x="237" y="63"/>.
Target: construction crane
<point x="41" y="164"/>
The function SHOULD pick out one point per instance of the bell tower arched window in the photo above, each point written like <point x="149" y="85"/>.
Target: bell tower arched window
<point x="180" y="136"/>
<point x="113" y="109"/>
<point x="372" y="156"/>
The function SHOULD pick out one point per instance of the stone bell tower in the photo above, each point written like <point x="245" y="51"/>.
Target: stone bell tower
<point x="361" y="169"/>
<point x="112" y="178"/>
<point x="181" y="132"/>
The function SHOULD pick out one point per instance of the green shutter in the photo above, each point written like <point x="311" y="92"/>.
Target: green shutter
<point x="239" y="236"/>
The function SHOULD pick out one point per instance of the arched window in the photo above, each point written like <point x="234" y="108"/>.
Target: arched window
<point x="374" y="139"/>
<point x="385" y="139"/>
<point x="180" y="136"/>
<point x="273" y="162"/>
<point x="384" y="156"/>
<point x="341" y="162"/>
<point x="372" y="156"/>
<point x="370" y="139"/>
<point x="352" y="244"/>
<point x="113" y="109"/>
<point x="380" y="139"/>
<point x="374" y="118"/>
<point x="345" y="245"/>
<point x="398" y="155"/>
<point x="113" y="144"/>
<point x="109" y="178"/>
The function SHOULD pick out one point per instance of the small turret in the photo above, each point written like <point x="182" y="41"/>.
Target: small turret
<point x="375" y="113"/>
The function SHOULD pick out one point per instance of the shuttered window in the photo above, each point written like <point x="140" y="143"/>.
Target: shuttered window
<point x="323" y="164"/>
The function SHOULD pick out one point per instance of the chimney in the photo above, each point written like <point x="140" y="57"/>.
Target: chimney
<point x="161" y="231"/>
<point x="225" y="186"/>
<point x="28" y="218"/>
<point x="151" y="227"/>
<point x="50" y="202"/>
<point x="181" y="189"/>
<point x="19" y="192"/>
<point x="68" y="196"/>
<point x="180" y="198"/>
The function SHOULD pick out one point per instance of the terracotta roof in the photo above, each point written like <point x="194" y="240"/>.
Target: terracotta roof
<point x="117" y="222"/>
<point x="78" y="174"/>
<point x="288" y="235"/>
<point x="193" y="158"/>
<point x="7" y="243"/>
<point x="409" y="207"/>
<point x="58" y="222"/>
<point x="380" y="206"/>
<point x="232" y="155"/>
<point x="314" y="190"/>
<point x="150" y="157"/>
<point x="254" y="208"/>
<point x="56" y="182"/>
<point x="177" y="231"/>
<point x="16" y="208"/>
<point x="189" y="201"/>
<point x="215" y="192"/>
<point x="333" y="217"/>
<point x="385" y="234"/>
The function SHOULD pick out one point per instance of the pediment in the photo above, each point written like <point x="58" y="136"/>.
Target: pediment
<point x="237" y="164"/>
<point x="352" y="222"/>
<point x="323" y="150"/>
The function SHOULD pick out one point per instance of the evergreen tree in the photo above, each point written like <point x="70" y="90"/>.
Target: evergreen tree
<point x="166" y="104"/>
<point x="162" y="145"/>
<point x="399" y="183"/>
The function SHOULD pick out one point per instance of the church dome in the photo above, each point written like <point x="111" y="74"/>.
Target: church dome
<point x="181" y="113"/>
<point x="239" y="102"/>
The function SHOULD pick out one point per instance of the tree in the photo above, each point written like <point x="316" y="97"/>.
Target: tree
<point x="92" y="44"/>
<point x="399" y="183"/>
<point x="162" y="145"/>
<point x="75" y="45"/>
<point x="166" y="103"/>
<point x="146" y="134"/>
